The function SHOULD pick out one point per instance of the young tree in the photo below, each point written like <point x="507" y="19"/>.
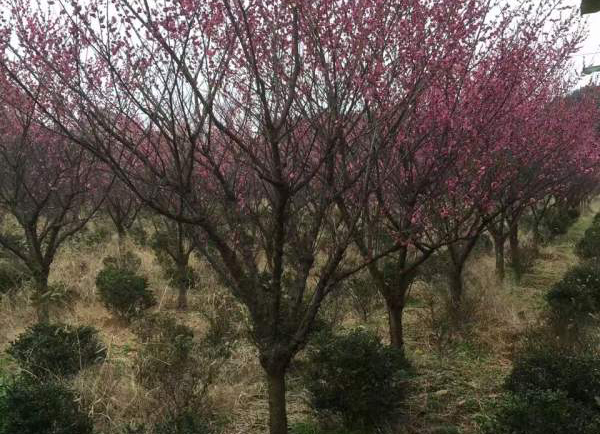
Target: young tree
<point x="438" y="177"/>
<point x="267" y="120"/>
<point x="45" y="185"/>
<point x="250" y="113"/>
<point x="122" y="206"/>
<point x="173" y="243"/>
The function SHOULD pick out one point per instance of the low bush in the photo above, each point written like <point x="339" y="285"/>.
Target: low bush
<point x="548" y="369"/>
<point x="559" y="219"/>
<point x="28" y="407"/>
<point x="550" y="391"/>
<point x="173" y="365"/>
<point x="185" y="423"/>
<point x="575" y="300"/>
<point x="60" y="350"/>
<point x="356" y="377"/>
<point x="542" y="412"/>
<point x="588" y="246"/>
<point x="314" y="428"/>
<point x="123" y="292"/>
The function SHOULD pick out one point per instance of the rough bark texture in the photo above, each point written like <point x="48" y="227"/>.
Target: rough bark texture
<point x="395" y="314"/>
<point x="499" y="253"/>
<point x="182" y="287"/>
<point x="515" y="252"/>
<point x="277" y="400"/>
<point x="459" y="254"/>
<point x="537" y="236"/>
<point x="456" y="294"/>
<point x="41" y="287"/>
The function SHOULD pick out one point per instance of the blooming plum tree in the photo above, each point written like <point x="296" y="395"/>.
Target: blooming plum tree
<point x="46" y="183"/>
<point x="287" y="131"/>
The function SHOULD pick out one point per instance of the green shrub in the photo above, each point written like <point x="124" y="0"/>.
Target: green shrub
<point x="589" y="245"/>
<point x="57" y="349"/>
<point x="575" y="299"/>
<point x="578" y="376"/>
<point x="542" y="412"/>
<point x="356" y="377"/>
<point x="185" y="423"/>
<point x="314" y="428"/>
<point x="41" y="408"/>
<point x="123" y="292"/>
<point x="172" y="364"/>
<point x="574" y="213"/>
<point x="550" y="391"/>
<point x="559" y="219"/>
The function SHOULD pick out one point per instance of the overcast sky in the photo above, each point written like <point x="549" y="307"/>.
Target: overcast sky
<point x="591" y="45"/>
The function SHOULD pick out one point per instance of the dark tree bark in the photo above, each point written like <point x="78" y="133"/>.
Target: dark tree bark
<point x="499" y="235"/>
<point x="41" y="289"/>
<point x="395" y="299"/>
<point x="396" y="328"/>
<point x="515" y="251"/>
<point x="499" y="253"/>
<point x="182" y="285"/>
<point x="277" y="401"/>
<point x="173" y="245"/>
<point x="459" y="254"/>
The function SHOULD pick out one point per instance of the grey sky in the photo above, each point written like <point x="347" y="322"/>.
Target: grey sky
<point x="591" y="45"/>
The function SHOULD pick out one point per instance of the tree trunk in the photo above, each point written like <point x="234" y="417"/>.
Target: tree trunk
<point x="42" y="308"/>
<point x="456" y="295"/>
<point x="182" y="286"/>
<point x="537" y="236"/>
<point x="121" y="236"/>
<point x="456" y="286"/>
<point x="182" y="303"/>
<point x="395" y="300"/>
<point x="499" y="252"/>
<point x="277" y="402"/>
<point x="515" y="251"/>
<point x="395" y="313"/>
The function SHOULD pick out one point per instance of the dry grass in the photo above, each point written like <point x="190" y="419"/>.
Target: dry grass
<point x="458" y="375"/>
